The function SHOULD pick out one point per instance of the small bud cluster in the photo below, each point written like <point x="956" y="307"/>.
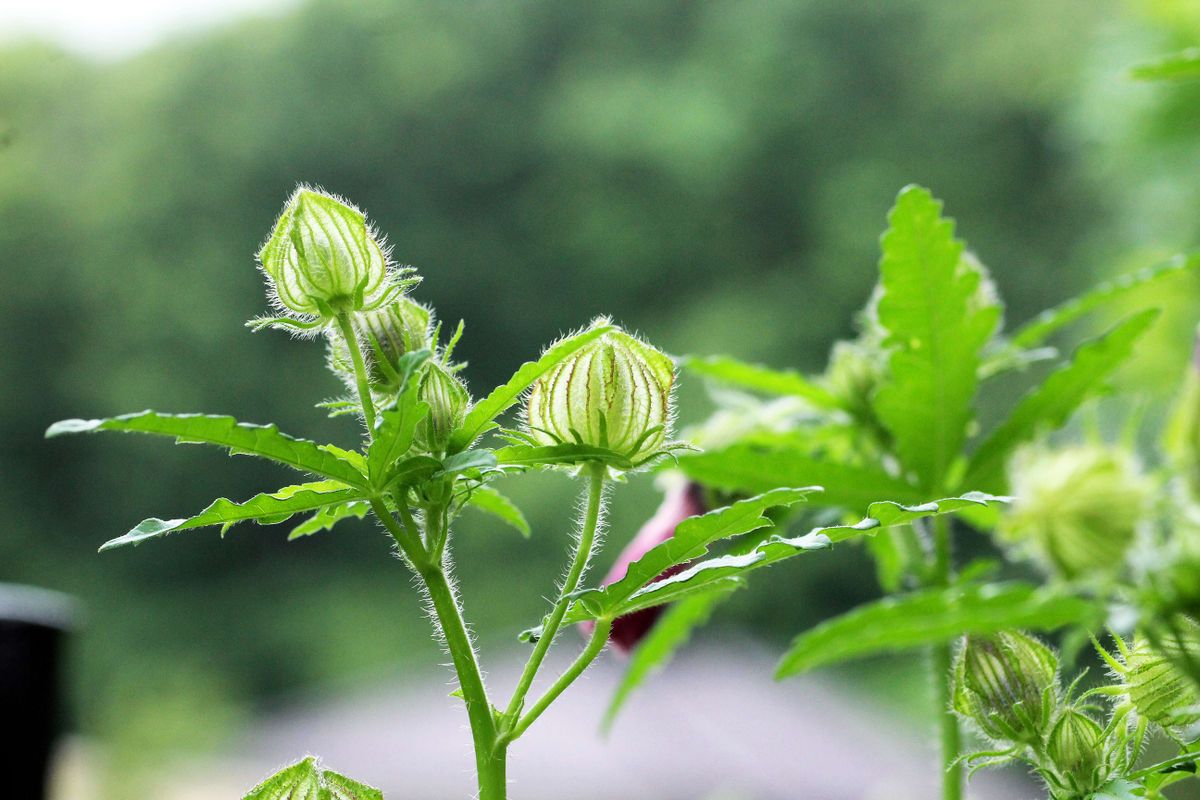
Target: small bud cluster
<point x="1006" y="685"/>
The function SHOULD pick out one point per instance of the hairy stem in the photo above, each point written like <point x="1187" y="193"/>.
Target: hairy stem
<point x="360" y="370"/>
<point x="595" y="645"/>
<point x="583" y="552"/>
<point x="951" y="740"/>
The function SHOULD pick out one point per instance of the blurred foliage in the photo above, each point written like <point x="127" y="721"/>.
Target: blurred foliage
<point x="660" y="162"/>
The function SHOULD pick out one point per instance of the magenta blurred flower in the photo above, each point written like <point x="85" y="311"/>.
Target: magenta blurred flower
<point x="685" y="499"/>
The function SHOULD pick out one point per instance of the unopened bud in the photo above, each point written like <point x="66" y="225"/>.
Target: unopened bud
<point x="388" y="333"/>
<point x="1076" y="746"/>
<point x="1077" y="508"/>
<point x="1006" y="685"/>
<point x="1157" y="685"/>
<point x="614" y="393"/>
<point x="853" y="373"/>
<point x="322" y="259"/>
<point x="682" y="500"/>
<point x="448" y="401"/>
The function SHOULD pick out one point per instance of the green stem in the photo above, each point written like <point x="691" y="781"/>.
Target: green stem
<point x="579" y="561"/>
<point x="594" y="646"/>
<point x="360" y="370"/>
<point x="951" y="740"/>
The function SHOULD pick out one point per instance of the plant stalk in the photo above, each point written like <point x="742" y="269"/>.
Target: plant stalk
<point x="360" y="370"/>
<point x="942" y="662"/>
<point x="579" y="562"/>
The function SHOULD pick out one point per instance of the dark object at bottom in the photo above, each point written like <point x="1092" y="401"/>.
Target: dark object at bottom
<point x="32" y="626"/>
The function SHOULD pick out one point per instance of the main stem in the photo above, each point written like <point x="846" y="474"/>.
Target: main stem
<point x="583" y="552"/>
<point x="952" y="774"/>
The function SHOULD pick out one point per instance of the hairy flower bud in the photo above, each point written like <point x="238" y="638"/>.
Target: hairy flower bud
<point x="1076" y="746"/>
<point x="1006" y="685"/>
<point x="615" y="393"/>
<point x="389" y="332"/>
<point x="1077" y="508"/>
<point x="682" y="500"/>
<point x="1157" y="686"/>
<point x="322" y="258"/>
<point x="448" y="401"/>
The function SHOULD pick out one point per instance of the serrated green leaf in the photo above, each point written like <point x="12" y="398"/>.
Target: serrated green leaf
<point x="937" y="320"/>
<point x="394" y="434"/>
<point x="482" y="415"/>
<point x="324" y="519"/>
<point x="490" y="501"/>
<point x="669" y="633"/>
<point x="734" y="567"/>
<point x="307" y="780"/>
<point x="466" y="461"/>
<point x="266" y="509"/>
<point x="1051" y="404"/>
<point x="520" y="455"/>
<point x="757" y="378"/>
<point x="754" y="469"/>
<point x="1184" y="65"/>
<point x="929" y="617"/>
<point x="691" y="540"/>
<point x="1050" y="321"/>
<point x="265" y="441"/>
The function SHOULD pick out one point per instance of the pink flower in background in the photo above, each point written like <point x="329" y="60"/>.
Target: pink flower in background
<point x="681" y="501"/>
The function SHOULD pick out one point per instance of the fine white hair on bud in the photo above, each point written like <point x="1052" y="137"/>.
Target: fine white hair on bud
<point x="322" y="259"/>
<point x="1006" y="684"/>
<point x="448" y="401"/>
<point x="615" y="393"/>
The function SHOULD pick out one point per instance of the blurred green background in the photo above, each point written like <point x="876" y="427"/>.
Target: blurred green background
<point x="712" y="173"/>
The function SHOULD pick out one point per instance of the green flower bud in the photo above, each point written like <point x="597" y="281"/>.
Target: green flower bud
<point x="852" y="375"/>
<point x="390" y="332"/>
<point x="614" y="392"/>
<point x="1156" y="685"/>
<point x="322" y="258"/>
<point x="1077" y="508"/>
<point x="448" y="401"/>
<point x="1076" y="746"/>
<point x="1006" y="684"/>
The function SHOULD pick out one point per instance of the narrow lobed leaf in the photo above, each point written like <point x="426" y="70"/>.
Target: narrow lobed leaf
<point x="490" y="501"/>
<point x="482" y="415"/>
<point x="325" y="518"/>
<point x="930" y="617"/>
<point x="1183" y="65"/>
<point x="1051" y="404"/>
<point x="757" y="378"/>
<point x="241" y="438"/>
<point x="265" y="509"/>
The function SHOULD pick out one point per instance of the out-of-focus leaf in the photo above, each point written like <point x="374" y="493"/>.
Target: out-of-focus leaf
<point x="481" y="417"/>
<point x="241" y="438"/>
<point x="733" y="568"/>
<point x="669" y="633"/>
<point x="931" y="617"/>
<point x="754" y="469"/>
<point x="1184" y="65"/>
<point x="265" y="509"/>
<point x="757" y="378"/>
<point x="307" y="780"/>
<point x="1052" y="403"/>
<point x="937" y="317"/>
<point x="327" y="517"/>
<point x="690" y="541"/>
<point x="1050" y="321"/>
<point x="490" y="501"/>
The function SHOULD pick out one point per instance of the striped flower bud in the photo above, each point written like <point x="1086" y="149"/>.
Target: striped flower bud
<point x="322" y="258"/>
<point x="1076" y="747"/>
<point x="448" y="401"/>
<point x="1006" y="684"/>
<point x="682" y="500"/>
<point x="614" y="393"/>
<point x="1077" y="508"/>
<point x="1156" y="685"/>
<point x="388" y="333"/>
